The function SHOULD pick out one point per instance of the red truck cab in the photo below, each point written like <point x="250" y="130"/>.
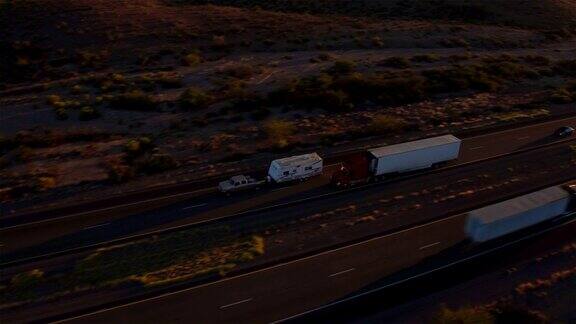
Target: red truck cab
<point x="355" y="169"/>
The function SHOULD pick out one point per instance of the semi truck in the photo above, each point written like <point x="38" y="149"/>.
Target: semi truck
<point x="503" y="218"/>
<point x="380" y="162"/>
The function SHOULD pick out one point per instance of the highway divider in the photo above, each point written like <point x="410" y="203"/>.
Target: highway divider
<point x="240" y="215"/>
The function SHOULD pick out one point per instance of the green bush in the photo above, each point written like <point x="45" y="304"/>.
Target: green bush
<point x="195" y="98"/>
<point x="134" y="100"/>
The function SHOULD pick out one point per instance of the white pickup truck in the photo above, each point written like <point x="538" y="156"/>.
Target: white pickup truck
<point x="238" y="183"/>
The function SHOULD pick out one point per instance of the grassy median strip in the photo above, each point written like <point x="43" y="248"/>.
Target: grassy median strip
<point x="156" y="261"/>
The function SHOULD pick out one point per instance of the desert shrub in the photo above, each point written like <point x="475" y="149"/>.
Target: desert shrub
<point x="194" y="98"/>
<point x="459" y="57"/>
<point x="138" y="146"/>
<point x="426" y="58"/>
<point x="566" y="67"/>
<point x="325" y="57"/>
<point x="383" y="89"/>
<point x="119" y="172"/>
<point x="466" y="315"/>
<point x="88" y="113"/>
<point x="158" y="162"/>
<point x="45" y="182"/>
<point x="537" y="60"/>
<point x="396" y="62"/>
<point x="505" y="69"/>
<point x="311" y="92"/>
<point x="510" y="313"/>
<point x="562" y="96"/>
<point x="53" y="99"/>
<point x="241" y="71"/>
<point x="78" y="89"/>
<point x="192" y="59"/>
<point x="454" y="42"/>
<point x="220" y="43"/>
<point x="168" y="81"/>
<point x="260" y="114"/>
<point x="27" y="279"/>
<point x="134" y="100"/>
<point x="278" y="132"/>
<point x="461" y="78"/>
<point x="386" y="124"/>
<point x="342" y="67"/>
<point x="61" y="113"/>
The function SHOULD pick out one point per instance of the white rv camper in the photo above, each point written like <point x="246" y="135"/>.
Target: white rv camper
<point x="295" y="168"/>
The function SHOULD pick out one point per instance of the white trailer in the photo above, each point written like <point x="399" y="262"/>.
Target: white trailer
<point x="414" y="155"/>
<point x="496" y="220"/>
<point x="293" y="168"/>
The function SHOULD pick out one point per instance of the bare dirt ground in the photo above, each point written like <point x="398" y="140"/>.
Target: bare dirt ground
<point x="65" y="129"/>
<point x="543" y="284"/>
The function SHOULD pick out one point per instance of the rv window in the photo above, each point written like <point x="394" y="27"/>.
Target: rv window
<point x="286" y="173"/>
<point x="243" y="181"/>
<point x="308" y="168"/>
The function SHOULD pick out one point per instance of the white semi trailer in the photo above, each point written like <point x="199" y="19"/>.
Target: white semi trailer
<point x="503" y="218"/>
<point x="415" y="155"/>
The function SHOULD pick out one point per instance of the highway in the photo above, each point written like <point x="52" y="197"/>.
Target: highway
<point x="289" y="289"/>
<point x="106" y="224"/>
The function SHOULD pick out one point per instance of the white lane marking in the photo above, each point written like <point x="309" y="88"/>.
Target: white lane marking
<point x="476" y="148"/>
<point x="266" y="78"/>
<point x="194" y="206"/>
<point x="523" y="138"/>
<point x="428" y="246"/>
<point x="99" y="225"/>
<point x="422" y="274"/>
<point x="301" y="260"/>
<point x="236" y="303"/>
<point x="107" y="208"/>
<point x="278" y="189"/>
<point x="341" y="272"/>
<point x="219" y="282"/>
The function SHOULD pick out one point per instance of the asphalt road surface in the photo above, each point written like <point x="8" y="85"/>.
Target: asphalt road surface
<point x="109" y="224"/>
<point x="279" y="292"/>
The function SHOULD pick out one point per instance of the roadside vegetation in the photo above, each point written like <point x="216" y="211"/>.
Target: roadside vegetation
<point x="185" y="255"/>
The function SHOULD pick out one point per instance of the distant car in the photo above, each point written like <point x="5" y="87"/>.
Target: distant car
<point x="564" y="131"/>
